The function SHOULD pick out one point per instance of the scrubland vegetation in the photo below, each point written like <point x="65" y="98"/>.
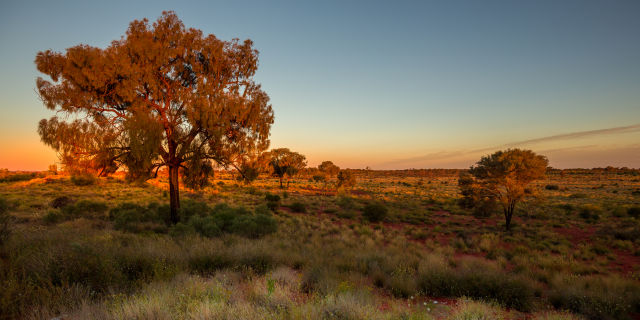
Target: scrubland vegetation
<point x="397" y="246"/>
<point x="121" y="239"/>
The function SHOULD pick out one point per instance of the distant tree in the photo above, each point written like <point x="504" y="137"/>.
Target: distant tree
<point x="503" y="177"/>
<point x="346" y="179"/>
<point x="53" y="169"/>
<point x="161" y="96"/>
<point x="329" y="170"/>
<point x="250" y="166"/>
<point x="286" y="163"/>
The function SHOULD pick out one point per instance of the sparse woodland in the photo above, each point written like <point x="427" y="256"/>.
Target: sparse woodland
<point x="169" y="204"/>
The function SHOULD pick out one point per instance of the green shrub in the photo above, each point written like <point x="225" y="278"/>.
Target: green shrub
<point x="254" y="226"/>
<point x="206" y="226"/>
<point x="181" y="229"/>
<point x="485" y="208"/>
<point x="60" y="202"/>
<point x="190" y="208"/>
<point x="227" y="219"/>
<point x="375" y="212"/>
<point x="273" y="201"/>
<point x="136" y="218"/>
<point x="5" y="221"/>
<point x="597" y="297"/>
<point x="84" y="208"/>
<point x="345" y="202"/>
<point x="590" y="212"/>
<point x="634" y="212"/>
<point x="53" y="216"/>
<point x="298" y="207"/>
<point x="476" y="280"/>
<point x="83" y="180"/>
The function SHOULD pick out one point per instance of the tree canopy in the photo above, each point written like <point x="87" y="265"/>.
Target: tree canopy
<point x="285" y="162"/>
<point x="503" y="177"/>
<point x="162" y="95"/>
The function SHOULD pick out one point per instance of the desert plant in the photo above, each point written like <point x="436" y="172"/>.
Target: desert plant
<point x="83" y="180"/>
<point x="285" y="162"/>
<point x="142" y="132"/>
<point x="5" y="221"/>
<point x="505" y="176"/>
<point x="60" y="202"/>
<point x="298" y="207"/>
<point x="346" y="179"/>
<point x="375" y="212"/>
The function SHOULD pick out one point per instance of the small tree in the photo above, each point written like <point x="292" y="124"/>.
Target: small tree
<point x="329" y="170"/>
<point x="482" y="203"/>
<point x="503" y="177"/>
<point x="250" y="165"/>
<point x="346" y="179"/>
<point x="284" y="162"/>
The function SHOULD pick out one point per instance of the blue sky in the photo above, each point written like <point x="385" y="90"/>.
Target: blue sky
<point x="383" y="84"/>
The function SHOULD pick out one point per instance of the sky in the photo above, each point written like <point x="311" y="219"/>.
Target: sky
<point x="389" y="84"/>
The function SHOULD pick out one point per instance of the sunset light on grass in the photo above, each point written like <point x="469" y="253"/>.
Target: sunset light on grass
<point x="450" y="160"/>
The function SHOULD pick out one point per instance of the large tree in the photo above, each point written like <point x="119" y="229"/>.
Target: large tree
<point x="504" y="177"/>
<point x="285" y="162"/>
<point x="162" y="95"/>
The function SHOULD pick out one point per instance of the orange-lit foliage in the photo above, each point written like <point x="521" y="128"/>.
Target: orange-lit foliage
<point x="163" y="95"/>
<point x="504" y="176"/>
<point x="286" y="163"/>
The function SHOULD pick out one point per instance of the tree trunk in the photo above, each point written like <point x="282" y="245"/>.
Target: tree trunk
<point x="281" y="187"/>
<point x="174" y="193"/>
<point x="508" y="214"/>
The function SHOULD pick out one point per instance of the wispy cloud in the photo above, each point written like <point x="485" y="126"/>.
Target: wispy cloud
<point x="460" y="154"/>
<point x="580" y="134"/>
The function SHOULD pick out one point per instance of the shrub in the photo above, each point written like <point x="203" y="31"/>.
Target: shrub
<point x="472" y="310"/>
<point x="319" y="178"/>
<point x="18" y="177"/>
<point x="375" y="212"/>
<point x="136" y="218"/>
<point x="5" y="221"/>
<point x="298" y="207"/>
<point x="273" y="201"/>
<point x="83" y="180"/>
<point x="552" y="187"/>
<point x="476" y="280"/>
<point x="84" y="207"/>
<point x="579" y="196"/>
<point x="590" y="212"/>
<point x="224" y="218"/>
<point x="634" y="212"/>
<point x="52" y="217"/>
<point x="206" y="226"/>
<point x="272" y="197"/>
<point x="181" y="229"/>
<point x="190" y="208"/>
<point x="254" y="226"/>
<point x="345" y="202"/>
<point x="485" y="208"/>
<point x="346" y="179"/>
<point x="60" y="202"/>
<point x="596" y="298"/>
